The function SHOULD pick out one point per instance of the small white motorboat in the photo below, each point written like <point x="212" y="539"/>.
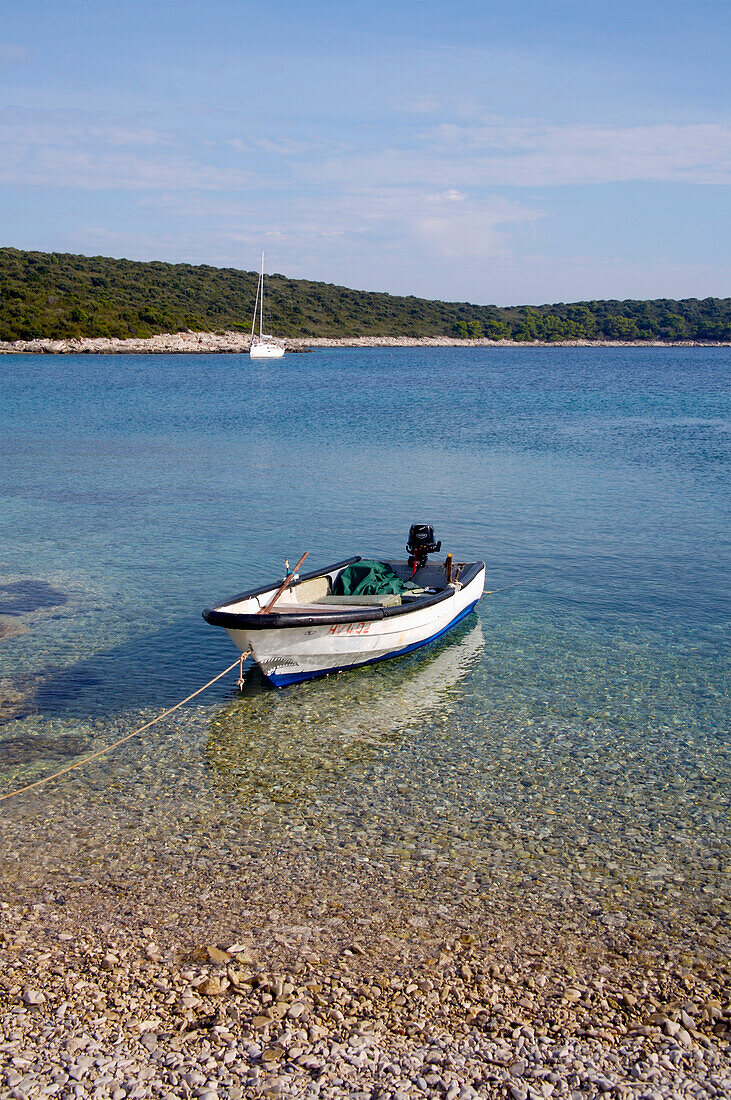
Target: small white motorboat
<point x="261" y="345"/>
<point x="351" y="613"/>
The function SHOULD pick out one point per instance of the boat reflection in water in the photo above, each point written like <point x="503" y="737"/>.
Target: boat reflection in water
<point x="305" y="744"/>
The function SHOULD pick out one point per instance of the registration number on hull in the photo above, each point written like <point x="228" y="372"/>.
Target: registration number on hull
<point x="349" y="628"/>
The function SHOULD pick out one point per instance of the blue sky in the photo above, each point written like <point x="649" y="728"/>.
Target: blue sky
<point x="490" y="152"/>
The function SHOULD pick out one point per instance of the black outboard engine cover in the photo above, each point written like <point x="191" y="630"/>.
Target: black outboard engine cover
<point x="421" y="543"/>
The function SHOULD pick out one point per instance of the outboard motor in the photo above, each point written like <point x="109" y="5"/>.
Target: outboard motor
<point x="421" y="543"/>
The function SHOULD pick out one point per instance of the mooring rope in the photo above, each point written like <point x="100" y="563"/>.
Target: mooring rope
<point x="108" y="748"/>
<point x="239" y="661"/>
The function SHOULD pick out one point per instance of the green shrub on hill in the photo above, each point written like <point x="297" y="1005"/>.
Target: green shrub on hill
<point x="61" y="296"/>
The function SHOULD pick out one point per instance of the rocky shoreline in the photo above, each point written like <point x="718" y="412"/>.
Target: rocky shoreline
<point x="129" y="1013"/>
<point x="238" y="343"/>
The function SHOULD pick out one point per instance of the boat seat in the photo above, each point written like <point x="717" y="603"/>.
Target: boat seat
<point x="311" y="590"/>
<point x="387" y="599"/>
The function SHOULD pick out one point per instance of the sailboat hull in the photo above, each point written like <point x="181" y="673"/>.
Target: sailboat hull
<point x="266" y="351"/>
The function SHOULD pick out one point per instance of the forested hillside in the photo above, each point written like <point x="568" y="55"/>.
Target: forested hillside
<point x="58" y="295"/>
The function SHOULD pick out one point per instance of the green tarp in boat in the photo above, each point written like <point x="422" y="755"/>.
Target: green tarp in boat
<point x="369" y="578"/>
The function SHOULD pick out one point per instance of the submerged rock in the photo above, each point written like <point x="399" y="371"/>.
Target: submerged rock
<point x="22" y="597"/>
<point x="29" y="747"/>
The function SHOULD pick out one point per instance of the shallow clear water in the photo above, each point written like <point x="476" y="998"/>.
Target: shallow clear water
<point x="574" y="733"/>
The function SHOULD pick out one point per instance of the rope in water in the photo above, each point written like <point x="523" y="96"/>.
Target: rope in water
<point x="239" y="661"/>
<point x="108" y="748"/>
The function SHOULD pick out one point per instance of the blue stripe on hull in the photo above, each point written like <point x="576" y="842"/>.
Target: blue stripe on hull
<point x="297" y="677"/>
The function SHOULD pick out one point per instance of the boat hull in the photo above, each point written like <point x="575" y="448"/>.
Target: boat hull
<point x="289" y="655"/>
<point x="266" y="351"/>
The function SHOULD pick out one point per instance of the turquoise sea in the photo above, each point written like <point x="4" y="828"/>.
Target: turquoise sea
<point x="573" y="735"/>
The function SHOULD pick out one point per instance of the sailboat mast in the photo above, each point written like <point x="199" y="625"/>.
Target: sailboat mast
<point x="261" y="313"/>
<point x="256" y="307"/>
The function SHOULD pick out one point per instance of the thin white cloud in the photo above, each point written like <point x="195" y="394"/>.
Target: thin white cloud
<point x="63" y="127"/>
<point x="287" y="147"/>
<point x="504" y="154"/>
<point x="541" y="155"/>
<point x="421" y="216"/>
<point x="448" y="225"/>
<point x="103" y="170"/>
<point x="400" y="225"/>
<point x="420" y="105"/>
<point x="96" y="152"/>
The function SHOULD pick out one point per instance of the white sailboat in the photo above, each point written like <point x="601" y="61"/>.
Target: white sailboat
<point x="262" y="346"/>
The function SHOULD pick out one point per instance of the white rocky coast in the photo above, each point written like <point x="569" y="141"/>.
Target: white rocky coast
<point x="237" y="343"/>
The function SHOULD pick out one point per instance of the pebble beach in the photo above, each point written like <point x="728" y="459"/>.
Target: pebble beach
<point x="520" y="1008"/>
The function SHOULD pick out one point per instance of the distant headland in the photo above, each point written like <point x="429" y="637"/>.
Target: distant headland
<point x="60" y="303"/>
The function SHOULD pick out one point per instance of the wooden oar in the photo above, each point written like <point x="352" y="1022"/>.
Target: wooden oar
<point x="283" y="586"/>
